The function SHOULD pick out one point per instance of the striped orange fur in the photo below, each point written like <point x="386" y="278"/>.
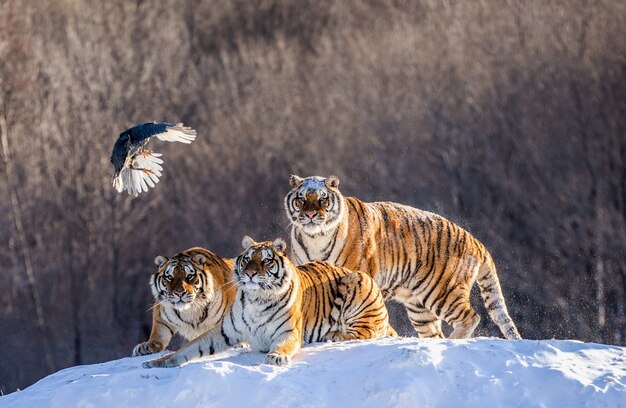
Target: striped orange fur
<point x="192" y="292"/>
<point x="279" y="306"/>
<point x="418" y="258"/>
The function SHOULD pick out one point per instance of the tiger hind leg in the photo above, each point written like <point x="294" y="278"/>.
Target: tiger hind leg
<point x="336" y="335"/>
<point x="460" y="314"/>
<point x="359" y="310"/>
<point x="464" y="329"/>
<point x="425" y="322"/>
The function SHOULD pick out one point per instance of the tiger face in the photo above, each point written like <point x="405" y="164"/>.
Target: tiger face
<point x="179" y="281"/>
<point x="314" y="203"/>
<point x="261" y="266"/>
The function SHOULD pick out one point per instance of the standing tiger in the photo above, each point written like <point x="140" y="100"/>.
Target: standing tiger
<point x="280" y="306"/>
<point x="192" y="292"/>
<point x="417" y="258"/>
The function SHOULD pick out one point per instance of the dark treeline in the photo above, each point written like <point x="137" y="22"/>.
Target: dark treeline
<point x="509" y="118"/>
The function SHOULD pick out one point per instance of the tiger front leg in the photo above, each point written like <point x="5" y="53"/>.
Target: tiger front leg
<point x="148" y="347"/>
<point x="160" y="335"/>
<point x="284" y="348"/>
<point x="175" y="359"/>
<point x="277" y="359"/>
<point x="214" y="341"/>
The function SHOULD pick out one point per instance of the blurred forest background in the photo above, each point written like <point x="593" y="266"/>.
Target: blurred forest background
<point x="507" y="117"/>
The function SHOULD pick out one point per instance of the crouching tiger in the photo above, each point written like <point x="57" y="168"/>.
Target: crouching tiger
<point x="279" y="306"/>
<point x="192" y="291"/>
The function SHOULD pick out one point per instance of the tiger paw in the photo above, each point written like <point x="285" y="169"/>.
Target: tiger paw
<point x="147" y="347"/>
<point x="167" y="361"/>
<point x="277" y="359"/>
<point x="333" y="336"/>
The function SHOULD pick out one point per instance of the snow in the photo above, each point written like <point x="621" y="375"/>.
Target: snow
<point x="404" y="372"/>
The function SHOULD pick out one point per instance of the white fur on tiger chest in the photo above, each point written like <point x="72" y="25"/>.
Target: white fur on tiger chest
<point x="315" y="248"/>
<point x="257" y="325"/>
<point x="189" y="323"/>
<point x="254" y="327"/>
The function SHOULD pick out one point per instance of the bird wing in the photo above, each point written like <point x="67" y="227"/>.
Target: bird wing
<point x="143" y="173"/>
<point x="145" y="131"/>
<point x="131" y="140"/>
<point x="137" y="169"/>
<point x="120" y="150"/>
<point x="178" y="133"/>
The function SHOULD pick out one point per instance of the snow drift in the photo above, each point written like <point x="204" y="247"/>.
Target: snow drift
<point x="406" y="372"/>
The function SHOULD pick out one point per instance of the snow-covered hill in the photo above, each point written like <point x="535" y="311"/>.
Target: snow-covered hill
<point x="381" y="373"/>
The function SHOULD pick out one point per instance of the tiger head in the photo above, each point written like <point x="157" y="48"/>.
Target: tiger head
<point x="181" y="281"/>
<point x="263" y="266"/>
<point x="314" y="203"/>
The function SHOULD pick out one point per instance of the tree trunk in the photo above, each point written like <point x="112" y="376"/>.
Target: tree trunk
<point x="24" y="249"/>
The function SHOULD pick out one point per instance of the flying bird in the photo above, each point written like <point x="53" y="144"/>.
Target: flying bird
<point x="137" y="169"/>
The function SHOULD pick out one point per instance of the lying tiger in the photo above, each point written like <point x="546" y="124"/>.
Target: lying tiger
<point x="192" y="292"/>
<point x="417" y="258"/>
<point x="279" y="306"/>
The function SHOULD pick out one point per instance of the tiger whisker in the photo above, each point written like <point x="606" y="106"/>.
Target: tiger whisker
<point x="197" y="304"/>
<point x="163" y="302"/>
<point x="227" y="283"/>
<point x="289" y="224"/>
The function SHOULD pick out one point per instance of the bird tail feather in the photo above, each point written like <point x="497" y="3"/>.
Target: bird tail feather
<point x="142" y="175"/>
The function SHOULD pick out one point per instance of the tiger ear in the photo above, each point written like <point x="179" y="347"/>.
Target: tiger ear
<point x="247" y="242"/>
<point x="332" y="182"/>
<point x="295" y="181"/>
<point x="280" y="245"/>
<point x="199" y="259"/>
<point x="160" y="260"/>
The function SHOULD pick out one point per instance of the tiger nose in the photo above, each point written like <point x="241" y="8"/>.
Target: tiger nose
<point x="179" y="292"/>
<point x="310" y="214"/>
<point x="250" y="273"/>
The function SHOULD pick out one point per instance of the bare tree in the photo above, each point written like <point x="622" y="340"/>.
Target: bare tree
<point x="508" y="119"/>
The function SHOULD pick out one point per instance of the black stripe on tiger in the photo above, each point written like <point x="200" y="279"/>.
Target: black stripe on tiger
<point x="417" y="257"/>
